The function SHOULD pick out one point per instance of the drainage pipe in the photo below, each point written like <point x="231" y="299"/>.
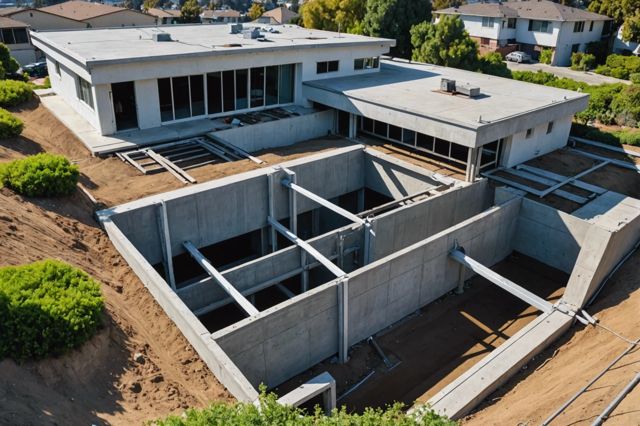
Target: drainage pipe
<point x="616" y="401"/>
<point x="588" y="385"/>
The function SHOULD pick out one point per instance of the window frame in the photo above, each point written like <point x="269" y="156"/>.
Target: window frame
<point x="326" y="67"/>
<point x="82" y="90"/>
<point x="542" y="26"/>
<point x="578" y="27"/>
<point x="591" y="26"/>
<point x="488" y="22"/>
<point x="509" y="21"/>
<point x="529" y="133"/>
<point x="550" y="127"/>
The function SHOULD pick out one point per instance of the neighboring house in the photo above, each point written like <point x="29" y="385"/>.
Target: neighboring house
<point x="279" y="15"/>
<point x="165" y="16"/>
<point x="115" y="80"/>
<point x="39" y="20"/>
<point x="625" y="47"/>
<point x="97" y="15"/>
<point x="220" y="15"/>
<point x="15" y="35"/>
<point x="531" y="26"/>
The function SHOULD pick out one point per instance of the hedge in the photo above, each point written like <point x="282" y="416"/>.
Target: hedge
<point x="620" y="66"/>
<point x="13" y="92"/>
<point x="46" y="308"/>
<point x="40" y="175"/>
<point x="10" y="125"/>
<point x="546" y="55"/>
<point x="272" y="413"/>
<point x="615" y="138"/>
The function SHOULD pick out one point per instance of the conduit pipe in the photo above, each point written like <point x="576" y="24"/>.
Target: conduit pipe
<point x="616" y="401"/>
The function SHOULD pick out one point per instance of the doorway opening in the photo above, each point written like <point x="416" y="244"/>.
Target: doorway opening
<point x="124" y="105"/>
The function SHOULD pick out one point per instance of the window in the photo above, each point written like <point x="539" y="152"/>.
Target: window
<point x="242" y="98"/>
<point x="166" y="102"/>
<point x="366" y="63"/>
<point x="287" y="83"/>
<point x="257" y="87"/>
<point x="539" y="26"/>
<point x="83" y="88"/>
<point x="484" y="41"/>
<point x="511" y="23"/>
<point x="228" y="90"/>
<point x="181" y="108"/>
<point x="529" y="133"/>
<point x="196" y="83"/>
<point x="326" y="66"/>
<point x="181" y="97"/>
<point x="7" y="36"/>
<point x="578" y="27"/>
<point x="271" y="85"/>
<point x="591" y="26"/>
<point x="550" y="127"/>
<point x="488" y="21"/>
<point x="20" y="35"/>
<point x="56" y="66"/>
<point x="214" y="92"/>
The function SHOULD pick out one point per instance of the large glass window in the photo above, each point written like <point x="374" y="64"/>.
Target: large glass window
<point x="287" y="83"/>
<point x="539" y="26"/>
<point x="366" y="63"/>
<point x="166" y="103"/>
<point x="242" y="98"/>
<point x="197" y="95"/>
<point x="271" y="85"/>
<point x="327" y="66"/>
<point x="84" y="91"/>
<point x="257" y="87"/>
<point x="181" y="97"/>
<point x="228" y="90"/>
<point x="181" y="107"/>
<point x="487" y="21"/>
<point x="214" y="92"/>
<point x="20" y="35"/>
<point x="7" y="36"/>
<point x="511" y="23"/>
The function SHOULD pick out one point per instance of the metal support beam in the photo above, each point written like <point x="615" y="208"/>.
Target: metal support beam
<point x="501" y="281"/>
<point x="272" y="210"/>
<point x="165" y="238"/>
<point x="306" y="247"/>
<point x="222" y="281"/>
<point x="304" y="277"/>
<point x="323" y="202"/>
<point x="343" y="321"/>
<point x="293" y="204"/>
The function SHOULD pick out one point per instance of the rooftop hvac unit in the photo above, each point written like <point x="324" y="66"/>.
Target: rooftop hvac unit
<point x="252" y="34"/>
<point x="468" y="90"/>
<point x="235" y="28"/>
<point x="161" y="37"/>
<point x="447" y="85"/>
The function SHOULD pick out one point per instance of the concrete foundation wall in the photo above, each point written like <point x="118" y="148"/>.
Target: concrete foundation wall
<point x="549" y="235"/>
<point x="278" y="133"/>
<point x="284" y="340"/>
<point x="391" y="288"/>
<point x="414" y="222"/>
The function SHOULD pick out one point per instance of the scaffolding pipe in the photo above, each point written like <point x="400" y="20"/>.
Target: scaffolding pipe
<point x="616" y="401"/>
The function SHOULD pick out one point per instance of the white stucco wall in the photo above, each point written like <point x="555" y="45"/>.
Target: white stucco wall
<point x="520" y="149"/>
<point x="523" y="35"/>
<point x="568" y="38"/>
<point x="123" y="18"/>
<point x="473" y="25"/>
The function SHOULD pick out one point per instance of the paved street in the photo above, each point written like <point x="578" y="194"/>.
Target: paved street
<point x="587" y="77"/>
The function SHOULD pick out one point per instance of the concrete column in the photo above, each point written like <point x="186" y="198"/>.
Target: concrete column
<point x="272" y="210"/>
<point x="315" y="222"/>
<point x="353" y="125"/>
<point x="304" y="276"/>
<point x="472" y="164"/>
<point x="343" y="321"/>
<point x="165" y="238"/>
<point x="293" y="204"/>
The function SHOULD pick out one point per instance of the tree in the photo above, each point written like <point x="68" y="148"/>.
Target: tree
<point x="616" y="9"/>
<point x="445" y="43"/>
<point x="149" y="4"/>
<point x="394" y="19"/>
<point x="334" y="15"/>
<point x="631" y="28"/>
<point x="255" y="11"/>
<point x="8" y="64"/>
<point x="444" y="4"/>
<point x="295" y="5"/>
<point x="190" y="12"/>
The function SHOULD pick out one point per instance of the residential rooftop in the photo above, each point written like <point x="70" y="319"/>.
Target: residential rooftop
<point x="135" y="44"/>
<point x="540" y="9"/>
<point x="81" y="10"/>
<point x="415" y="89"/>
<point x="11" y="23"/>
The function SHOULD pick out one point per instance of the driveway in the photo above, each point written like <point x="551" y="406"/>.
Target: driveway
<point x="587" y="77"/>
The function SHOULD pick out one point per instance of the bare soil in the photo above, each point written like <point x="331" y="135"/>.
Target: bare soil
<point x="559" y="372"/>
<point x="439" y="343"/>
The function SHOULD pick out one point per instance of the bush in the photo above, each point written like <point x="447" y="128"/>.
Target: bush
<point x="46" y="308"/>
<point x="539" y="77"/>
<point x="40" y="175"/>
<point x="10" y="125"/>
<point x="546" y="56"/>
<point x="13" y="92"/>
<point x="616" y="138"/>
<point x="626" y="106"/>
<point x="599" y="108"/>
<point x="493" y="64"/>
<point x="582" y="61"/>
<point x="635" y="77"/>
<point x="272" y="413"/>
<point x="620" y="66"/>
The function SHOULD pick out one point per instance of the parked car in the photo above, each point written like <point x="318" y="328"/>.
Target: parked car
<point x="518" y="56"/>
<point x="36" y="69"/>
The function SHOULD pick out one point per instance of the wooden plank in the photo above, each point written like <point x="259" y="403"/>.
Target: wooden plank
<point x="214" y="151"/>
<point x="193" y="166"/>
<point x="193" y="157"/>
<point x="235" y="148"/>
<point x="134" y="163"/>
<point x="605" y="146"/>
<point x="161" y="161"/>
<point x="577" y="183"/>
<point x="624" y="164"/>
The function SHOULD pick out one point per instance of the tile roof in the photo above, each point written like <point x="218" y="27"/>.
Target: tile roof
<point x="81" y="10"/>
<point x="164" y="13"/>
<point x="11" y="23"/>
<point x="281" y="15"/>
<point x="220" y="13"/>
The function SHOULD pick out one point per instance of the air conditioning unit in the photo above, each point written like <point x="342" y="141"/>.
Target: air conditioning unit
<point x="161" y="37"/>
<point x="251" y="34"/>
<point x="468" y="90"/>
<point x="235" y="28"/>
<point x="447" y="85"/>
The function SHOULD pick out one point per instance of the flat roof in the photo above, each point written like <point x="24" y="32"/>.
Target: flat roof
<point x="414" y="88"/>
<point x="135" y="44"/>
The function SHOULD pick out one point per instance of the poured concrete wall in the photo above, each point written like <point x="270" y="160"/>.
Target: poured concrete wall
<point x="391" y="288"/>
<point x="409" y="224"/>
<point x="291" y="337"/>
<point x="549" y="235"/>
<point x="278" y="133"/>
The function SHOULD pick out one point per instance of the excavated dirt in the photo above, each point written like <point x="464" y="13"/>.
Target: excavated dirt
<point x="560" y="371"/>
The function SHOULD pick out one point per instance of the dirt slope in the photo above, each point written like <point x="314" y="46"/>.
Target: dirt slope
<point x="556" y="374"/>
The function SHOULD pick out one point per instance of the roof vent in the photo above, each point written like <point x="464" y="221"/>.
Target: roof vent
<point x="447" y="85"/>
<point x="235" y="28"/>
<point x="161" y="37"/>
<point x="251" y="34"/>
<point x="468" y="90"/>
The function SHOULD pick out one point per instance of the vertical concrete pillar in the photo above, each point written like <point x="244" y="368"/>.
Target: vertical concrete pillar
<point x="293" y="204"/>
<point x="343" y="321"/>
<point x="272" y="210"/>
<point x="165" y="239"/>
<point x="304" y="277"/>
<point x="472" y="164"/>
<point x="353" y="125"/>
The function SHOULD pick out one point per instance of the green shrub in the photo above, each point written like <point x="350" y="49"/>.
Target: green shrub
<point x="493" y="64"/>
<point x="47" y="308"/>
<point x="582" y="61"/>
<point x="546" y="56"/>
<point x="539" y="77"/>
<point x="620" y="66"/>
<point x="626" y="106"/>
<point x="600" y="98"/>
<point x="40" y="175"/>
<point x="10" y="125"/>
<point x="13" y="92"/>
<point x="272" y="413"/>
<point x="635" y="77"/>
<point x="616" y="138"/>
